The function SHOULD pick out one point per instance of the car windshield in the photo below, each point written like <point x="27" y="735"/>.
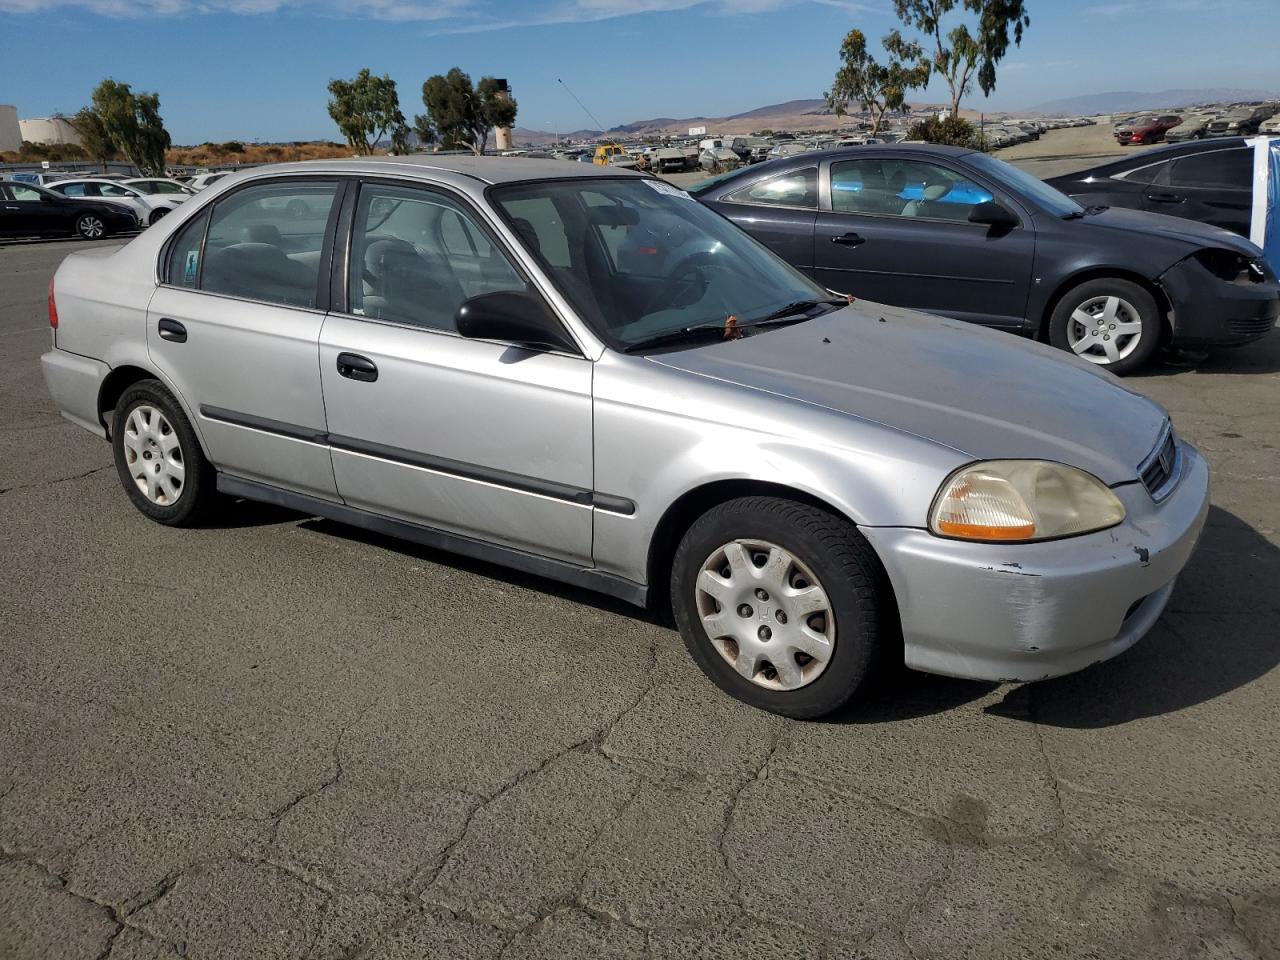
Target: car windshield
<point x="1049" y="199"/>
<point x="641" y="260"/>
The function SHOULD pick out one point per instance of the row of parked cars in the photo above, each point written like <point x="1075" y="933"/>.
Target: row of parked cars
<point x="631" y="395"/>
<point x="46" y="204"/>
<point x="1237" y="121"/>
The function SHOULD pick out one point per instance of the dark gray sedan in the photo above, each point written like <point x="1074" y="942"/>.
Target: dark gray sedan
<point x="962" y="234"/>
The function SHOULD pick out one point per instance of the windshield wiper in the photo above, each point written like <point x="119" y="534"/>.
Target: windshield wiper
<point x="797" y="309"/>
<point x="698" y="332"/>
<point x="1097" y="208"/>
<point x="791" y="313"/>
<point x="1073" y="215"/>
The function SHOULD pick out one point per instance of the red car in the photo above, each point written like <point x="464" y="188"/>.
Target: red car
<point x="1146" y="129"/>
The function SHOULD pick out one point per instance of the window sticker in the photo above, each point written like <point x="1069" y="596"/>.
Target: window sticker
<point x="191" y="267"/>
<point x="661" y="186"/>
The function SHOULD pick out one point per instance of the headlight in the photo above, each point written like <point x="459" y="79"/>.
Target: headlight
<point x="1020" y="500"/>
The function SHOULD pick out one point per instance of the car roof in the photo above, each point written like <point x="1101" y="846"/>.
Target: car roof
<point x="486" y="169"/>
<point x="1159" y="154"/>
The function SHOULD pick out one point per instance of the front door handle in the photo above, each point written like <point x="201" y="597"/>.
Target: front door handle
<point x="849" y="239"/>
<point x="172" y="330"/>
<point x="1164" y="197"/>
<point x="355" y="367"/>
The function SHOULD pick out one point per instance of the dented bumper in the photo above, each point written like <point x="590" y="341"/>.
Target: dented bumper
<point x="1033" y="611"/>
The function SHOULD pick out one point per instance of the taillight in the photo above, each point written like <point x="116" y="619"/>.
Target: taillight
<point x="53" y="308"/>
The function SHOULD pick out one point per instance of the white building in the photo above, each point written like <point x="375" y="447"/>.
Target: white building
<point x="10" y="131"/>
<point x="49" y="130"/>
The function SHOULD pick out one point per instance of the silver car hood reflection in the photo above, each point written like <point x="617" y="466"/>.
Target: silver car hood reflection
<point x="988" y="394"/>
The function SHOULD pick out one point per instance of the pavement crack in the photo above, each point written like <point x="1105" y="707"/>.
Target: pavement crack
<point x="49" y="483"/>
<point x="278" y="814"/>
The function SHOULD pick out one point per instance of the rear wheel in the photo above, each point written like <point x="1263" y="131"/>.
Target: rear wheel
<point x="1111" y="322"/>
<point x="783" y="605"/>
<point x="158" y="458"/>
<point x="157" y="215"/>
<point x="89" y="226"/>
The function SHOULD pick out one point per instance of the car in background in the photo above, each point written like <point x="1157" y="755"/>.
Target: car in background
<point x="1191" y="128"/>
<point x="40" y="178"/>
<point x="613" y="155"/>
<point x="28" y="210"/>
<point x="1242" y="121"/>
<point x="160" y="186"/>
<point x="812" y="490"/>
<point x="718" y="159"/>
<point x="1146" y="129"/>
<point x="668" y="160"/>
<point x="202" y="180"/>
<point x="147" y="208"/>
<point x="960" y="233"/>
<point x="789" y="148"/>
<point x="1206" y="180"/>
<point x="750" y="149"/>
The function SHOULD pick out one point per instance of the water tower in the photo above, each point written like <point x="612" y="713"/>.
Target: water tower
<point x="503" y="134"/>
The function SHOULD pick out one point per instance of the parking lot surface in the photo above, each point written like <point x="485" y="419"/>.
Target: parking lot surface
<point x="278" y="737"/>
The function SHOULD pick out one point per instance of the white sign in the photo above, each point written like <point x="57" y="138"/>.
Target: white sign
<point x="44" y="164"/>
<point x="697" y="131"/>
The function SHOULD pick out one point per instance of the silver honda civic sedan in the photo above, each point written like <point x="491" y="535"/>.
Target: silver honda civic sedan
<point x="587" y="376"/>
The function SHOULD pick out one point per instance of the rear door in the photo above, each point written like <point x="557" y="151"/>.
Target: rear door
<point x="896" y="230"/>
<point x="1212" y="186"/>
<point x="235" y="326"/>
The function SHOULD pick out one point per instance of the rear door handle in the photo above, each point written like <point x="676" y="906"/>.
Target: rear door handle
<point x="172" y="330"/>
<point x="849" y="239"/>
<point x="355" y="367"/>
<point x="1164" y="197"/>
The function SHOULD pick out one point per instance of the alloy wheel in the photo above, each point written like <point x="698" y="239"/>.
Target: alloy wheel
<point x="90" y="227"/>
<point x="153" y="455"/>
<point x="1104" y="329"/>
<point x="766" y="614"/>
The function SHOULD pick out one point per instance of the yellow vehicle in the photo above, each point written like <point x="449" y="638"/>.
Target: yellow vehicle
<point x="611" y="154"/>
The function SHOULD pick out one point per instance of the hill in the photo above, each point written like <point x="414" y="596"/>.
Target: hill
<point x="1116" y="101"/>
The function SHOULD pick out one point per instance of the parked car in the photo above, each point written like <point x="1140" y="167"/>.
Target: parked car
<point x="1241" y="122"/>
<point x="202" y="180"/>
<point x="1148" y="129"/>
<point x="750" y="149"/>
<point x="39" y="178"/>
<point x="27" y="210"/>
<point x="161" y="186"/>
<point x="1191" y="128"/>
<point x="1210" y="181"/>
<point x="789" y="148"/>
<point x="148" y="208"/>
<point x="811" y="489"/>
<point x="718" y="160"/>
<point x="613" y="155"/>
<point x="960" y="233"/>
<point x="1271" y="126"/>
<point x="666" y="159"/>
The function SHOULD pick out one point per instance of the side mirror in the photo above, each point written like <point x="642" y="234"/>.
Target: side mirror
<point x="515" y="317"/>
<point x="993" y="214"/>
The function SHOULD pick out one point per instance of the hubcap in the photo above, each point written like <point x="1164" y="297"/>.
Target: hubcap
<point x="153" y="455"/>
<point x="91" y="227"/>
<point x="1104" y="330"/>
<point x="766" y="613"/>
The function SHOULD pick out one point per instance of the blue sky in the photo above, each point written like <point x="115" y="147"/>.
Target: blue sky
<point x="257" y="69"/>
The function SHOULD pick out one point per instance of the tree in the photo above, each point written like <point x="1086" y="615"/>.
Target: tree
<point x="366" y="109"/>
<point x="133" y="123"/>
<point x="952" y="130"/>
<point x="878" y="87"/>
<point x="958" y="53"/>
<point x="94" y="138"/>
<point x="463" y="115"/>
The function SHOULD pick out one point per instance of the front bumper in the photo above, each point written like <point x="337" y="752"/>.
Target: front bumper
<point x="1209" y="311"/>
<point x="1020" y="612"/>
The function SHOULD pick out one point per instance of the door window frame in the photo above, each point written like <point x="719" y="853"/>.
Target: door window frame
<point x="344" y="235"/>
<point x="817" y="200"/>
<point x="323" y="288"/>
<point x="1165" y="176"/>
<point x="1001" y="194"/>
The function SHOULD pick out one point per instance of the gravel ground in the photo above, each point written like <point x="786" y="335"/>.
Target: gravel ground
<point x="276" y="737"/>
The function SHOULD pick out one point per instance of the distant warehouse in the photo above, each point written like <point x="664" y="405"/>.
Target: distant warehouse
<point x="49" y="130"/>
<point x="10" y="130"/>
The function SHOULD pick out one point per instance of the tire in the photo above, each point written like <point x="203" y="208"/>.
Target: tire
<point x="806" y="544"/>
<point x="1074" y="324"/>
<point x="157" y="215"/>
<point x="146" y="420"/>
<point x="90" y="226"/>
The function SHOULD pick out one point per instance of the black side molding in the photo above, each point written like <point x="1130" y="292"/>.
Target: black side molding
<point x="265" y="424"/>
<point x="559" y="570"/>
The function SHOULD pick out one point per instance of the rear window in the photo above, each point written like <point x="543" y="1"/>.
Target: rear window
<point x="1216" y="168"/>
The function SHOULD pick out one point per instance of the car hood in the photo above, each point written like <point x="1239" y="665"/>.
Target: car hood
<point x="986" y="394"/>
<point x="1169" y="228"/>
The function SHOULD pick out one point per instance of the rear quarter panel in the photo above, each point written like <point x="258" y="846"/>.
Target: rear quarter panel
<point x="102" y="298"/>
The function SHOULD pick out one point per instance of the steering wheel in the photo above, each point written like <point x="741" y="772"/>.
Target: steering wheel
<point x="685" y="277"/>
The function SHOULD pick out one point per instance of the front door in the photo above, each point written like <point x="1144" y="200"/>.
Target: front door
<point x="896" y="231"/>
<point x="482" y="439"/>
<point x="236" y="325"/>
<point x="34" y="212"/>
<point x="1213" y="186"/>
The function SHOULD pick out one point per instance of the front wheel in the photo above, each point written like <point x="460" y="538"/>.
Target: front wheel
<point x="1113" y="323"/>
<point x="157" y="215"/>
<point x="158" y="458"/>
<point x="89" y="226"/>
<point x="783" y="605"/>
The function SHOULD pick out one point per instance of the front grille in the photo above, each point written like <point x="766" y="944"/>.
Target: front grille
<point x="1159" y="471"/>
<point x="1250" y="327"/>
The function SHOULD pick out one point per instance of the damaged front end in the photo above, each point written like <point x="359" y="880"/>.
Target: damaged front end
<point x="1221" y="298"/>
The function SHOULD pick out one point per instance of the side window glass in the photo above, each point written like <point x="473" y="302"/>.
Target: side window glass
<point x="73" y="190"/>
<point x="24" y="193"/>
<point x="540" y="226"/>
<point x="1147" y="174"/>
<point x="904" y="188"/>
<point x="796" y="189"/>
<point x="416" y="255"/>
<point x="111" y="190"/>
<point x="186" y="254"/>
<point x="1217" y="168"/>
<point x="264" y="242"/>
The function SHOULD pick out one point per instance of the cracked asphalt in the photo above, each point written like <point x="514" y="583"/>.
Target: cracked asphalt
<point x="276" y="737"/>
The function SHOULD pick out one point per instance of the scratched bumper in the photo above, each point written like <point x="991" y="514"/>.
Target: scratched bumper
<point x="1033" y="611"/>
